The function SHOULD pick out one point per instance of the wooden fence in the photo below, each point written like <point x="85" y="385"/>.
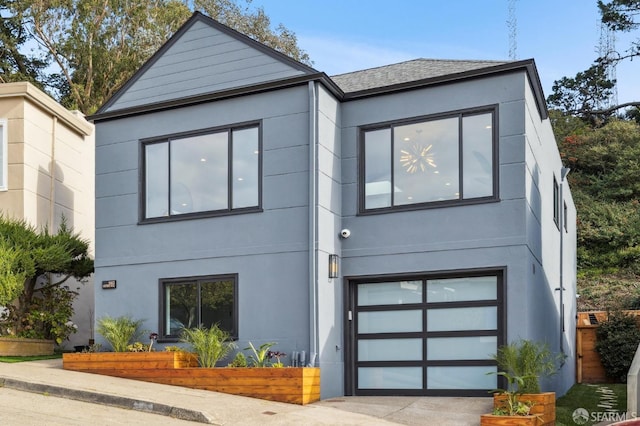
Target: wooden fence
<point x="588" y="366"/>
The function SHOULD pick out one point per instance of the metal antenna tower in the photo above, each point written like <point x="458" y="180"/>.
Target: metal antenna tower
<point x="607" y="51"/>
<point x="512" y="25"/>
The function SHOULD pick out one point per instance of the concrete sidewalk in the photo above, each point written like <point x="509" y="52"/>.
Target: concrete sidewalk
<point x="48" y="377"/>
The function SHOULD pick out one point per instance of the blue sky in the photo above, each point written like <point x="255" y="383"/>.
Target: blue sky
<point x="347" y="35"/>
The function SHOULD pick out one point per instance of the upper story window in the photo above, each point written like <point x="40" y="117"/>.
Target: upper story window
<point x="4" y="160"/>
<point x="205" y="173"/>
<point x="428" y="162"/>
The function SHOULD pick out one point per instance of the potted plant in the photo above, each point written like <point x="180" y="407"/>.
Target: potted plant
<point x="522" y="364"/>
<point x="511" y="408"/>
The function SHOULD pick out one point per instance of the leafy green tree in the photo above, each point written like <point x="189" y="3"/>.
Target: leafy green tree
<point x="34" y="267"/>
<point x="97" y="45"/>
<point x="255" y="24"/>
<point x="582" y="94"/>
<point x="14" y="64"/>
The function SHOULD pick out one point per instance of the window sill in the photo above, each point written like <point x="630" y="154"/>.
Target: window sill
<point x="200" y="215"/>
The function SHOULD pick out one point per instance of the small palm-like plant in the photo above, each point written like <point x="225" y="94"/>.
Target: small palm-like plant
<point x="529" y="361"/>
<point x="120" y="331"/>
<point x="259" y="357"/>
<point x="211" y="344"/>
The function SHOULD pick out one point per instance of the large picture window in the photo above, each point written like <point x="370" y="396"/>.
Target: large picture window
<point x="436" y="160"/>
<point x="216" y="171"/>
<point x="190" y="302"/>
<point x="4" y="161"/>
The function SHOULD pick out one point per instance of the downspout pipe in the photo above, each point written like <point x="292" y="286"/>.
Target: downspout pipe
<point x="313" y="220"/>
<point x="563" y="175"/>
<point x="52" y="173"/>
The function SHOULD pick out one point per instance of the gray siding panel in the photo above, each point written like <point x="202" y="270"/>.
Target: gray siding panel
<point x="203" y="60"/>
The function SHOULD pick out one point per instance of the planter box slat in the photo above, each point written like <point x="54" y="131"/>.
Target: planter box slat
<point x="493" y="420"/>
<point x="13" y="346"/>
<point x="289" y="384"/>
<point x="544" y="405"/>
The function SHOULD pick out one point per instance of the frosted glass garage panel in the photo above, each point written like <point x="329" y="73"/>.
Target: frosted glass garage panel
<point x="390" y="378"/>
<point x="462" y="289"/>
<point x="473" y="377"/>
<point x="457" y="319"/>
<point x="389" y="349"/>
<point x="394" y="293"/>
<point x="390" y="321"/>
<point x="475" y="347"/>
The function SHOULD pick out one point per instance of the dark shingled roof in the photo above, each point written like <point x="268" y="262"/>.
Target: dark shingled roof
<point x="404" y="72"/>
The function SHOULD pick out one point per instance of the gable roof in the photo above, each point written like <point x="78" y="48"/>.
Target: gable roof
<point x="405" y="72"/>
<point x="429" y="72"/>
<point x="203" y="56"/>
<point x="158" y="86"/>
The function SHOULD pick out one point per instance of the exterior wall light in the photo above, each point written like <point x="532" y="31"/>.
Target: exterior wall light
<point x="333" y="266"/>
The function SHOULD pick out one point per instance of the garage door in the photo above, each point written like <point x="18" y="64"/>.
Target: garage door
<point x="424" y="336"/>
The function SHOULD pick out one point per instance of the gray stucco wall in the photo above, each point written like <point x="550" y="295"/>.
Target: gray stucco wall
<point x="548" y="323"/>
<point x="330" y="325"/>
<point x="280" y="281"/>
<point x="516" y="233"/>
<point x="267" y="250"/>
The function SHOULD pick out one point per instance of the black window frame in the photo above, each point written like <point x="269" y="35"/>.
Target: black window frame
<point x="162" y="282"/>
<point x="142" y="219"/>
<point x="460" y="114"/>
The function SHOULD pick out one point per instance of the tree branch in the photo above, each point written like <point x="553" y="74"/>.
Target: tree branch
<point x="613" y="108"/>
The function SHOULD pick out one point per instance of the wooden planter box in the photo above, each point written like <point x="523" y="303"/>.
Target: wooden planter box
<point x="97" y="361"/>
<point x="544" y="406"/>
<point x="494" y="420"/>
<point x="289" y="384"/>
<point x="13" y="346"/>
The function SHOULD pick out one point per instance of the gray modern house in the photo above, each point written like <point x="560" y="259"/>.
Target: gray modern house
<point x="399" y="223"/>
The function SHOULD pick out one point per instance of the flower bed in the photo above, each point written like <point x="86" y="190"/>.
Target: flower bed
<point x="296" y="385"/>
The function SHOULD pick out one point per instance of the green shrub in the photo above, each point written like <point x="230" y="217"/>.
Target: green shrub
<point x="240" y="360"/>
<point x="211" y="344"/>
<point x="119" y="332"/>
<point x="617" y="339"/>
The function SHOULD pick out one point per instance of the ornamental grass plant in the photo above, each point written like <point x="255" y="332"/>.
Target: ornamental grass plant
<point x="211" y="344"/>
<point x="528" y="360"/>
<point x="119" y="332"/>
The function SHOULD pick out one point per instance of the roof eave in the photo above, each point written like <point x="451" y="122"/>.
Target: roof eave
<point x="73" y="119"/>
<point x="219" y="95"/>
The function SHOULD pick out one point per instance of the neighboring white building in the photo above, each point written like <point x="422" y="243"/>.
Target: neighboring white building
<point x="47" y="170"/>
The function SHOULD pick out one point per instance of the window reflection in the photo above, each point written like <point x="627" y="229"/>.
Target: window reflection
<point x="245" y="167"/>
<point x="431" y="161"/>
<point x="205" y="301"/>
<point x="197" y="173"/>
<point x="426" y="175"/>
